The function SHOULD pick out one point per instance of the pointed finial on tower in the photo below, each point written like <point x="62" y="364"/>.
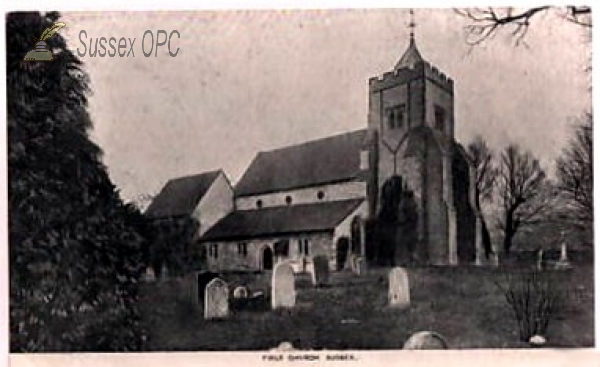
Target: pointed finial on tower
<point x="411" y="56"/>
<point x="412" y="24"/>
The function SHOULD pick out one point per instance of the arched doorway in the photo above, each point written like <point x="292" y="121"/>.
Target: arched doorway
<point x="343" y="243"/>
<point x="267" y="259"/>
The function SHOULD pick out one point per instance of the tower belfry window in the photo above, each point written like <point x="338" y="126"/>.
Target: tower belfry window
<point x="396" y="116"/>
<point x="391" y="117"/>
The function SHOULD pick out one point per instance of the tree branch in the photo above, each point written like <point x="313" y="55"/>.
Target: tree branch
<point x="485" y="23"/>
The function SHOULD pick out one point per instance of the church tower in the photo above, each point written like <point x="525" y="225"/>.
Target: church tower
<point x="411" y="131"/>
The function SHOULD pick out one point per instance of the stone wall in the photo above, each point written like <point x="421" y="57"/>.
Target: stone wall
<point x="216" y="203"/>
<point x="230" y="259"/>
<point x="435" y="95"/>
<point x="332" y="192"/>
<point x="436" y="213"/>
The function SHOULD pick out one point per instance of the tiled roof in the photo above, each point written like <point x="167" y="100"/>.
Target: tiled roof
<point x="328" y="160"/>
<point x="180" y="196"/>
<point x="274" y="221"/>
<point x="411" y="56"/>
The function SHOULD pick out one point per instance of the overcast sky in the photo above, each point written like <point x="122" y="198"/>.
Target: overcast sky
<point x="249" y="81"/>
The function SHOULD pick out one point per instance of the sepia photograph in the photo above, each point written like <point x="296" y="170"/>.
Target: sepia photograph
<point x="290" y="181"/>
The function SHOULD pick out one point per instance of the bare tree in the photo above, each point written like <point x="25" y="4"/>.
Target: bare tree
<point x="485" y="178"/>
<point x="574" y="170"/>
<point x="485" y="23"/>
<point x="523" y="190"/>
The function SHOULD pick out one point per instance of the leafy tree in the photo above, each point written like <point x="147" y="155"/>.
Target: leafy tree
<point x="396" y="223"/>
<point x="574" y="169"/>
<point x="75" y="249"/>
<point x="524" y="192"/>
<point x="387" y="221"/>
<point x="173" y="245"/>
<point x="485" y="178"/>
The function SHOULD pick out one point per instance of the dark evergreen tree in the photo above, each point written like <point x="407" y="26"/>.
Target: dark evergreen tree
<point x="75" y="248"/>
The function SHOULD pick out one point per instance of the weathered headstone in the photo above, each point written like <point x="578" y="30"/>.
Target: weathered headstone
<point x="564" y="258"/>
<point x="283" y="288"/>
<point x="478" y="256"/>
<point x="563" y="261"/>
<point x="426" y="340"/>
<point x="540" y="260"/>
<point x="399" y="289"/>
<point x="216" y="300"/>
<point x="240" y="292"/>
<point x="361" y="266"/>
<point x="284" y="347"/>
<point x="494" y="259"/>
<point x="149" y="275"/>
<point x="320" y="270"/>
<point x="537" y="341"/>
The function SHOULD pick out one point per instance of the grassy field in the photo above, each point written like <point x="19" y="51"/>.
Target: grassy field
<point x="463" y="304"/>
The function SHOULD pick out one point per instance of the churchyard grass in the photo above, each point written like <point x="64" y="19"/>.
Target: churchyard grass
<point x="464" y="304"/>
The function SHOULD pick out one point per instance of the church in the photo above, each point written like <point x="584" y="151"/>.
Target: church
<point x="339" y="196"/>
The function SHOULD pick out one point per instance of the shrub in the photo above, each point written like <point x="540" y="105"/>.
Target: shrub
<point x="533" y="299"/>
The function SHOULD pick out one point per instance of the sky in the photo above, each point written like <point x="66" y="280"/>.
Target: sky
<point x="246" y="81"/>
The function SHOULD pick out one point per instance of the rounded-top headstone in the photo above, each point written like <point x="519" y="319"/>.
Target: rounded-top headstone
<point x="216" y="301"/>
<point x="537" y="341"/>
<point x="426" y="340"/>
<point x="285" y="346"/>
<point x="240" y="292"/>
<point x="283" y="289"/>
<point x="399" y="288"/>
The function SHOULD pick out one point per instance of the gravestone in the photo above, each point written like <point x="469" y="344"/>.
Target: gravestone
<point x="361" y="266"/>
<point x="540" y="260"/>
<point x="537" y="341"/>
<point x="284" y="347"/>
<point x="563" y="253"/>
<point x="495" y="262"/>
<point x="320" y="271"/>
<point x="149" y="275"/>
<point x="240" y="292"/>
<point x="283" y="288"/>
<point x="563" y="261"/>
<point x="216" y="300"/>
<point x="426" y="340"/>
<point x="399" y="289"/>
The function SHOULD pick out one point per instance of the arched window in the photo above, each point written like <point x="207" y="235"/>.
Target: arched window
<point x="320" y="195"/>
